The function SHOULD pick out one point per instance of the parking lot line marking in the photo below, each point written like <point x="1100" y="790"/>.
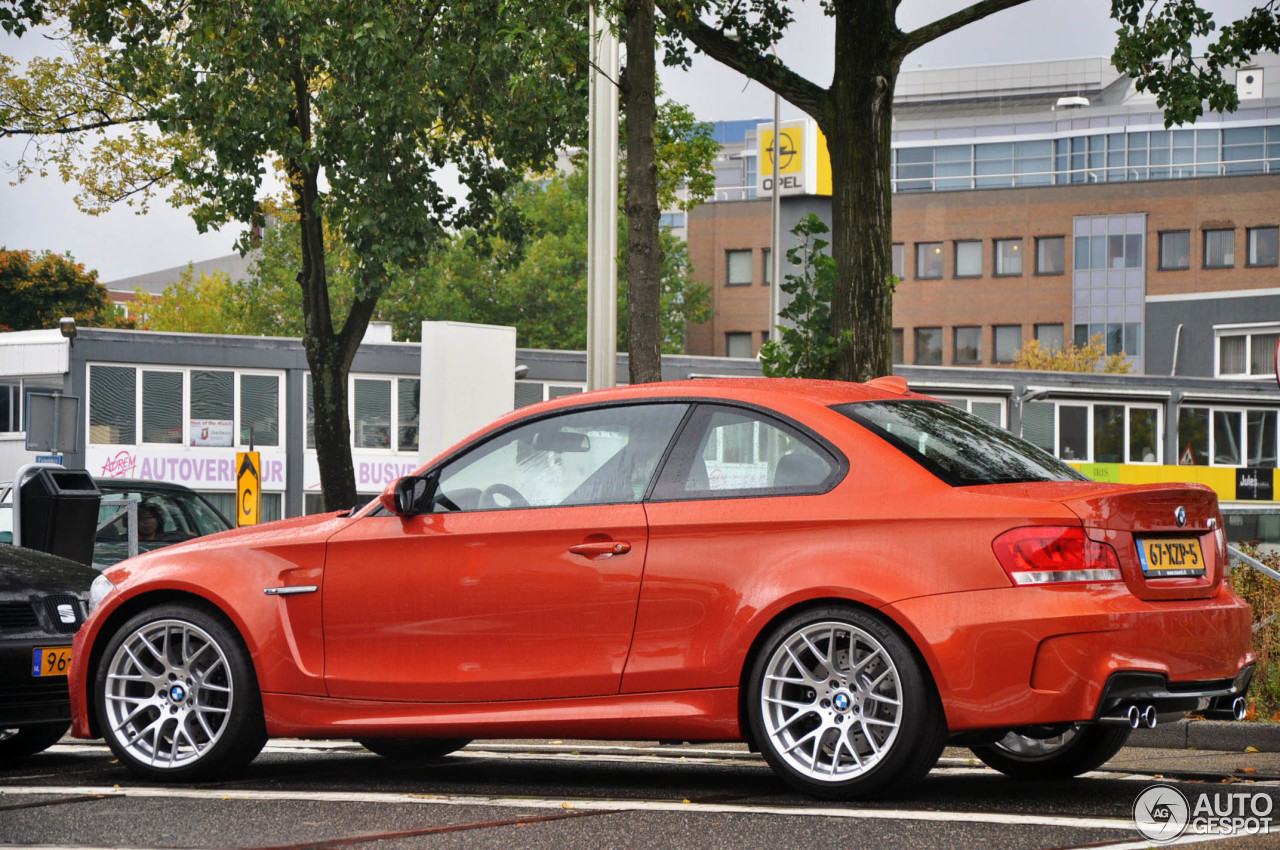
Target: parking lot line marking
<point x="581" y="805"/>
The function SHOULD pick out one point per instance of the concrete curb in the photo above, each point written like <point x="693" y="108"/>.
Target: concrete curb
<point x="1223" y="735"/>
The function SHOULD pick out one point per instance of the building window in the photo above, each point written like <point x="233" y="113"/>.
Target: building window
<point x="671" y="220"/>
<point x="899" y="260"/>
<point x="1098" y="433"/>
<point x="928" y="260"/>
<point x="928" y="346"/>
<point x="372" y="418"/>
<point x="1247" y="353"/>
<point x="161" y="407"/>
<point x="213" y="408"/>
<point x="766" y="257"/>
<point x="1008" y="257"/>
<point x="738" y="345"/>
<point x="1264" y="246"/>
<point x="1050" y="336"/>
<point x="1008" y="341"/>
<point x="898" y="356"/>
<point x="1237" y="437"/>
<point x="407" y="390"/>
<point x="740" y="271"/>
<point x="1175" y="250"/>
<point x="260" y="410"/>
<point x="1219" y="249"/>
<point x="1051" y="255"/>
<point x="113" y="405"/>
<point x="1111" y="251"/>
<point x="968" y="345"/>
<point x="968" y="259"/>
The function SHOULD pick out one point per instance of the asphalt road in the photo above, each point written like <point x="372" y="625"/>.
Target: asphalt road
<point x="567" y="795"/>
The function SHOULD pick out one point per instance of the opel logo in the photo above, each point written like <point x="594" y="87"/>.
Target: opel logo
<point x="785" y="152"/>
<point x="1181" y="516"/>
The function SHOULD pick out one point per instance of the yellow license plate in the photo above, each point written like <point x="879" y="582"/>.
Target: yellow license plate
<point x="1171" y="557"/>
<point x="50" y="660"/>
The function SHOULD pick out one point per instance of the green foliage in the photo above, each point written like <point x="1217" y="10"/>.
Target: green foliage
<point x="1263" y="595"/>
<point x="686" y="150"/>
<point x="808" y="348"/>
<point x="1090" y="357"/>
<point x="36" y="290"/>
<point x="1155" y="45"/>
<point x="205" y="304"/>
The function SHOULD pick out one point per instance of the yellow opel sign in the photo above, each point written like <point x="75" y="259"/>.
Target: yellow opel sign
<point x="248" y="488"/>
<point x="804" y="163"/>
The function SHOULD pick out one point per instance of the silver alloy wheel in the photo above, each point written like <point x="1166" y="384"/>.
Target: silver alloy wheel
<point x="168" y="693"/>
<point x="831" y="701"/>
<point x="1027" y="746"/>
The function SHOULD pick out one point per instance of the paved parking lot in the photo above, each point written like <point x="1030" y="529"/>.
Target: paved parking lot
<point x="565" y="795"/>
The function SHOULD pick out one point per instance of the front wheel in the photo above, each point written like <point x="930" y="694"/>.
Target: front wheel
<point x="29" y="740"/>
<point x="176" y="695"/>
<point x="841" y="707"/>
<point x="1055" y="753"/>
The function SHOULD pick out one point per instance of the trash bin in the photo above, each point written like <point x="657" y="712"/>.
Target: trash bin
<point x="60" y="513"/>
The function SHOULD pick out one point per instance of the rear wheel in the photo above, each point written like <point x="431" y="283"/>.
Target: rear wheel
<point x="841" y="708"/>
<point x="176" y="695"/>
<point x="1054" y="753"/>
<point x="413" y="749"/>
<point x="29" y="740"/>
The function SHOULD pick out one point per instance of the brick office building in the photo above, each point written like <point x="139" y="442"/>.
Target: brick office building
<point x="1045" y="201"/>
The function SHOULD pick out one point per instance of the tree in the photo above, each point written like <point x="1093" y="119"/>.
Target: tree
<point x="806" y="348"/>
<point x="359" y="106"/>
<point x="1156" y="43"/>
<point x="36" y="290"/>
<point x="1090" y="357"/>
<point x="204" y="304"/>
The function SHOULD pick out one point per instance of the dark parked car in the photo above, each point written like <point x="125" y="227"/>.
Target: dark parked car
<point x="42" y="603"/>
<point x="167" y="514"/>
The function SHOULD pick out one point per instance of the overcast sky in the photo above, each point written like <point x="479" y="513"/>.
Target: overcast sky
<point x="41" y="214"/>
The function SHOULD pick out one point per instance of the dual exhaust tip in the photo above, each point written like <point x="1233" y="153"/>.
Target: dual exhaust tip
<point x="1138" y="717"/>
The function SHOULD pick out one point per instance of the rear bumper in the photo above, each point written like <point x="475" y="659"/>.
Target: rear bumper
<point x="1036" y="655"/>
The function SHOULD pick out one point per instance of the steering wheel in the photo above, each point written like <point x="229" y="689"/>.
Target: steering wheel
<point x="507" y="492"/>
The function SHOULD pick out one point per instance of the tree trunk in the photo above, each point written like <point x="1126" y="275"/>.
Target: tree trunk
<point x="644" y="259"/>
<point x="858" y="122"/>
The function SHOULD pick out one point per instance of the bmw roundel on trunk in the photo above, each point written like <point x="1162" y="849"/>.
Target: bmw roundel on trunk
<point x="846" y="576"/>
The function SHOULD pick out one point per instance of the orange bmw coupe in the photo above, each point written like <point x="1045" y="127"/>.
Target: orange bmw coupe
<point x="845" y="576"/>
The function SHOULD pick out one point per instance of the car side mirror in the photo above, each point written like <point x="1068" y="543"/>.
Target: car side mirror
<point x="411" y="495"/>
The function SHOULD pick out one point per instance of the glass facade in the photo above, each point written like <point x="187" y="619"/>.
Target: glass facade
<point x="1106" y="157"/>
<point x="1109" y="282"/>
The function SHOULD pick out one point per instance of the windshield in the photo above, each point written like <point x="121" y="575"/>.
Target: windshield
<point x="163" y="516"/>
<point x="956" y="446"/>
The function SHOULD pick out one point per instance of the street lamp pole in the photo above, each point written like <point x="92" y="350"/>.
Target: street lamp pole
<point x="602" y="207"/>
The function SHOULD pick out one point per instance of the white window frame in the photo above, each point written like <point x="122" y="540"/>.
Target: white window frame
<point x="965" y="403"/>
<point x="1213" y="425"/>
<point x="1108" y="402"/>
<point x="1248" y="331"/>
<point x="394" y="380"/>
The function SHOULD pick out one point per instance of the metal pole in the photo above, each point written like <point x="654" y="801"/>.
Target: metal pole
<point x="602" y="208"/>
<point x="775" y="232"/>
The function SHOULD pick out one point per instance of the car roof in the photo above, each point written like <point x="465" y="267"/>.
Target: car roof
<point x="139" y="484"/>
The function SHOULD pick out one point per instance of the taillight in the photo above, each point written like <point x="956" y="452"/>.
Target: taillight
<point x="1053" y="554"/>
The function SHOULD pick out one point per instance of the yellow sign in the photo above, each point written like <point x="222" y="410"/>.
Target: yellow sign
<point x="804" y="162"/>
<point x="248" y="489"/>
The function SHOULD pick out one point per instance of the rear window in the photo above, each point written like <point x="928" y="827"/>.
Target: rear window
<point x="956" y="446"/>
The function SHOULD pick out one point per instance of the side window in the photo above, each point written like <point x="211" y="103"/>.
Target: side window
<point x="599" y="456"/>
<point x="726" y="452"/>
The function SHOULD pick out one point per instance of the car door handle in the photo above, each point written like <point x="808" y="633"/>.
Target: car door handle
<point x="601" y="547"/>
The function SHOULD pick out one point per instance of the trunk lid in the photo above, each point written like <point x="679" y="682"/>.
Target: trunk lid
<point x="1168" y="537"/>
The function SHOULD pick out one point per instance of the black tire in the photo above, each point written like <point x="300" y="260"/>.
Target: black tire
<point x="29" y="740"/>
<point x="413" y="749"/>
<point x="203" y="691"/>
<point x="1085" y="748"/>
<point x="844" y="717"/>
